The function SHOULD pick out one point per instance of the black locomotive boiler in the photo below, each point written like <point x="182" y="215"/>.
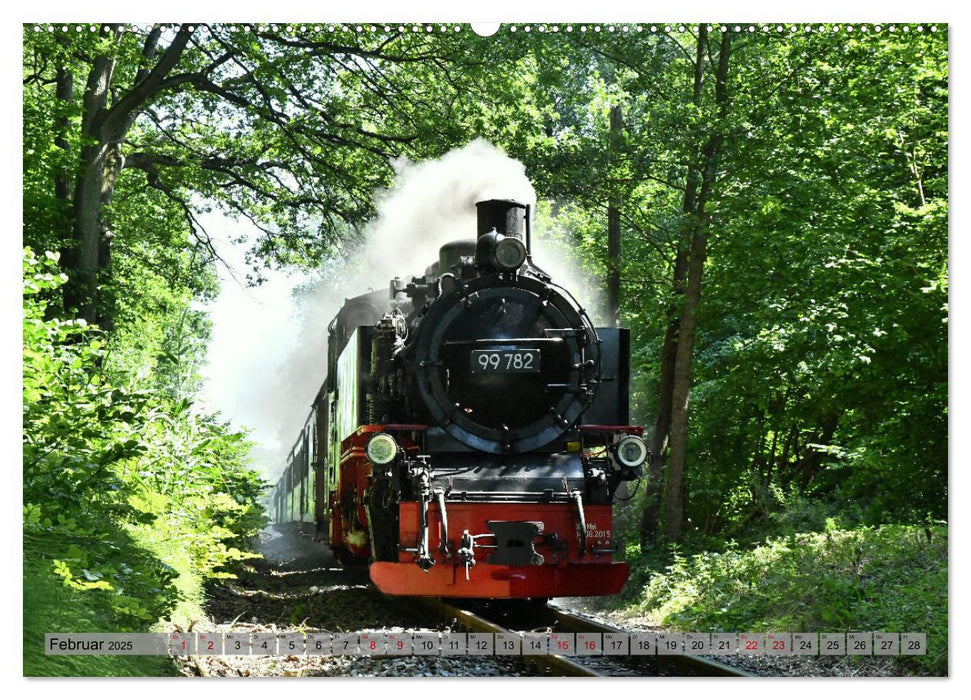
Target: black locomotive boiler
<point x="471" y="431"/>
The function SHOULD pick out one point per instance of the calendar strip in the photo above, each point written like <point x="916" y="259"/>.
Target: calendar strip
<point x="424" y="643"/>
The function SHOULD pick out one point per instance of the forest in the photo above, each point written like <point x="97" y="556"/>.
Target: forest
<point x="765" y="207"/>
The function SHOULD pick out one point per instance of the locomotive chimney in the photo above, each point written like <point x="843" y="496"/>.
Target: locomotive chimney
<point x="504" y="215"/>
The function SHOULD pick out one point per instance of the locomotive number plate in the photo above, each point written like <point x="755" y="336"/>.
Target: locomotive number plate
<point x="504" y="361"/>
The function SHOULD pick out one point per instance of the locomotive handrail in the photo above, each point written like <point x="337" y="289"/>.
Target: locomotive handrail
<point x="508" y="497"/>
<point x="442" y="520"/>
<point x="378" y="427"/>
<point x="629" y="429"/>
<point x="502" y="341"/>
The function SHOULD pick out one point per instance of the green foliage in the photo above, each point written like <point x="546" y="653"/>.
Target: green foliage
<point x="822" y="363"/>
<point x="126" y="491"/>
<point x="819" y="401"/>
<point x="76" y="427"/>
<point x="155" y="263"/>
<point x="821" y="358"/>
<point x="157" y="280"/>
<point x="887" y="578"/>
<point x="193" y="488"/>
<point x="291" y="131"/>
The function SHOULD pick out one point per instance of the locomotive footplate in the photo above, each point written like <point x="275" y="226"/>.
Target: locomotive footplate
<point x="503" y="550"/>
<point x="496" y="581"/>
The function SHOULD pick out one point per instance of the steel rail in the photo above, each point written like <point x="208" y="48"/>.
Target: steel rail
<point x="554" y="663"/>
<point x="698" y="665"/>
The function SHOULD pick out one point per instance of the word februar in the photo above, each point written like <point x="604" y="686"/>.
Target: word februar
<point x="69" y="644"/>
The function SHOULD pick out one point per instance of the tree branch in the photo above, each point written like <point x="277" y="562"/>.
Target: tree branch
<point x="122" y="114"/>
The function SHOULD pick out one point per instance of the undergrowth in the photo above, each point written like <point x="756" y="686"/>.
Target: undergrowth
<point x="890" y="578"/>
<point x="132" y="497"/>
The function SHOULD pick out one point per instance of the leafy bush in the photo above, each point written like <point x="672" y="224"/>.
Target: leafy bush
<point x="130" y="497"/>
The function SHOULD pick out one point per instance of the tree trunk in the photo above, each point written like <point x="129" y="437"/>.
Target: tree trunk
<point x="63" y="180"/>
<point x="83" y="288"/>
<point x="613" y="228"/>
<point x="699" y="224"/>
<point x="655" y="488"/>
<point x="81" y="293"/>
<point x="103" y="130"/>
<point x="674" y="489"/>
<point x="64" y="91"/>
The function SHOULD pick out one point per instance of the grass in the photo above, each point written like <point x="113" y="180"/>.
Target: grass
<point x="49" y="606"/>
<point x="52" y="606"/>
<point x="891" y="578"/>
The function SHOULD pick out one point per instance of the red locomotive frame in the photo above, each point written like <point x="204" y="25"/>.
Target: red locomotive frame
<point x="572" y="565"/>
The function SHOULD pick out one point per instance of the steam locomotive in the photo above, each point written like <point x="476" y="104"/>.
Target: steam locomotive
<point x="472" y="430"/>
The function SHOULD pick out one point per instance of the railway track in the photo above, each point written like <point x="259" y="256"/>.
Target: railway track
<point x="675" y="665"/>
<point x="494" y="619"/>
<point x="543" y="664"/>
<point x="308" y="594"/>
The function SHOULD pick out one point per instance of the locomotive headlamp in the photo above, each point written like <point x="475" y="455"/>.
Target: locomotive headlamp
<point x="510" y="254"/>
<point x="382" y="448"/>
<point x="504" y="253"/>
<point x="631" y="451"/>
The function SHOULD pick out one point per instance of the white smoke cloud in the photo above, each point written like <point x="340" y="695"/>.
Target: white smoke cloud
<point x="433" y="203"/>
